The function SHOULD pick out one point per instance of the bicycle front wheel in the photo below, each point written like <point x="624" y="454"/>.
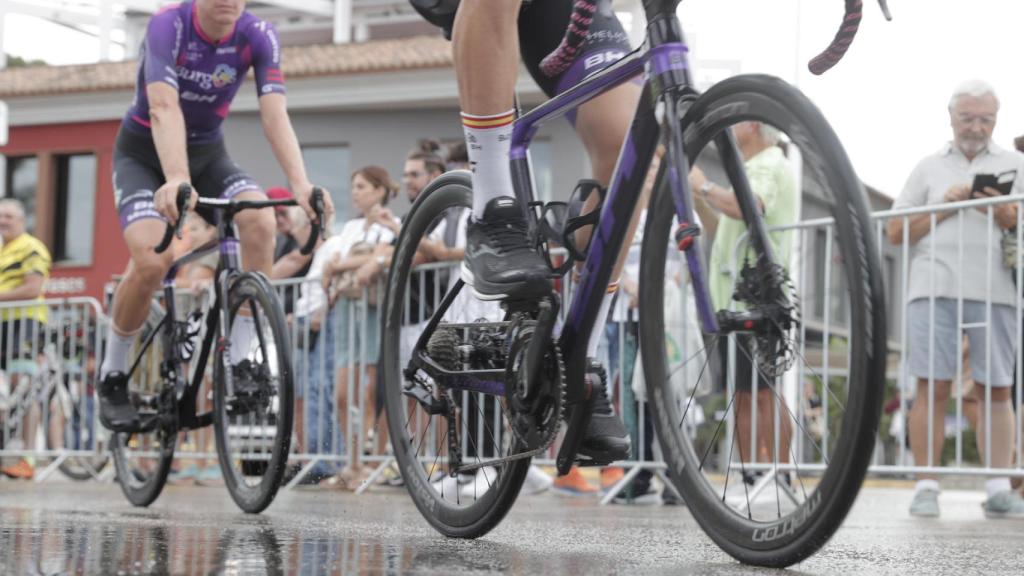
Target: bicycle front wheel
<point x="143" y="459"/>
<point x="253" y="419"/>
<point x="767" y="434"/>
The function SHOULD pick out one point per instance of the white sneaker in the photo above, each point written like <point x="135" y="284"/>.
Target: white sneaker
<point x="482" y="482"/>
<point x="536" y="482"/>
<point x="449" y="487"/>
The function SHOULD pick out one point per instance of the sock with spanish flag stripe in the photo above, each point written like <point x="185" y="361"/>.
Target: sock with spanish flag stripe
<point x="488" y="141"/>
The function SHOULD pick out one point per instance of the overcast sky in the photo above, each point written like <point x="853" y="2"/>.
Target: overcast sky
<point x="887" y="99"/>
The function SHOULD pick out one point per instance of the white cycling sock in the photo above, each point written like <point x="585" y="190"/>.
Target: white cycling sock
<point x="242" y="332"/>
<point x="602" y="319"/>
<point x="118" y="346"/>
<point x="488" y="141"/>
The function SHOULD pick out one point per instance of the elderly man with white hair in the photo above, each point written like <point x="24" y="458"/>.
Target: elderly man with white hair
<point x="959" y="262"/>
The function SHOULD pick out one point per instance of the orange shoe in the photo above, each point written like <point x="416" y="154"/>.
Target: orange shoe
<point x="574" y="484"/>
<point x="20" y="471"/>
<point x="610" y="477"/>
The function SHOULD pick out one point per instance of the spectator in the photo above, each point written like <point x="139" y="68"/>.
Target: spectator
<point x="350" y="277"/>
<point x="315" y="341"/>
<point x="771" y="180"/>
<point x="421" y="167"/>
<point x="935" y="271"/>
<point x="24" y="268"/>
<point x="289" y="262"/>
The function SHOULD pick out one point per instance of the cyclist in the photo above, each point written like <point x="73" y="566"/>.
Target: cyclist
<point x="195" y="56"/>
<point x="499" y="262"/>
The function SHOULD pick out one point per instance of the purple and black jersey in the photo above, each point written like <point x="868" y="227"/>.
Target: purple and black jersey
<point x="206" y="73"/>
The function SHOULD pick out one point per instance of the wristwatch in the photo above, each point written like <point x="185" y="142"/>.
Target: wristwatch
<point x="380" y="260"/>
<point x="706" y="187"/>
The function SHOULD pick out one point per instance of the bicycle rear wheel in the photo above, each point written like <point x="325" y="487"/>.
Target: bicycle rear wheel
<point x="770" y="460"/>
<point x="253" y="421"/>
<point x="143" y="459"/>
<point x="464" y="505"/>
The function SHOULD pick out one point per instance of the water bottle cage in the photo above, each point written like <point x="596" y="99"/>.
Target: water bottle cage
<point x="559" y="222"/>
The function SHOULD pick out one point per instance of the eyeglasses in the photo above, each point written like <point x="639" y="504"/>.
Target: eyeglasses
<point x="984" y="120"/>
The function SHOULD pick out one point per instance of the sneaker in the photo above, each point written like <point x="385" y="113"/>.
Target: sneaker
<point x="391" y="477"/>
<point x="1005" y="504"/>
<point x="926" y="504"/>
<point x="482" y="481"/>
<point x="186" y="474"/>
<point x="573" y="484"/>
<point x="605" y="439"/>
<point x="669" y="498"/>
<point x="610" y="477"/>
<point x="500" y="263"/>
<point x="537" y="481"/>
<point x="116" y="411"/>
<point x="450" y="487"/>
<point x="209" y="476"/>
<point x="20" y="471"/>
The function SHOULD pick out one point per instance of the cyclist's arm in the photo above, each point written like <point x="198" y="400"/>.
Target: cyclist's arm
<point x="290" y="264"/>
<point x="31" y="288"/>
<point x="168" y="126"/>
<point x="278" y="128"/>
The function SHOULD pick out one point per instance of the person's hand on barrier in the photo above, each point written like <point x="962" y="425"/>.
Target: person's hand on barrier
<point x="368" y="272"/>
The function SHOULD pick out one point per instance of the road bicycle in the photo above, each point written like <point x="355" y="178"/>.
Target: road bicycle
<point x="486" y="397"/>
<point x="252" y="399"/>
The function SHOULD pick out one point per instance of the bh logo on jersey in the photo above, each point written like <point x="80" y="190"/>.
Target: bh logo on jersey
<point x="223" y="75"/>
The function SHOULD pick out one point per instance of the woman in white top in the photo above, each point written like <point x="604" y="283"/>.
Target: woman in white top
<point x="351" y="283"/>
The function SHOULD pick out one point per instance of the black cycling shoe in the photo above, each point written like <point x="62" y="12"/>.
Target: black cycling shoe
<point x="605" y="439"/>
<point x="500" y="263"/>
<point x="116" y="411"/>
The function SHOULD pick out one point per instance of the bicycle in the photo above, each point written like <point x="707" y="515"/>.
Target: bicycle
<point x="252" y="400"/>
<point x="489" y="396"/>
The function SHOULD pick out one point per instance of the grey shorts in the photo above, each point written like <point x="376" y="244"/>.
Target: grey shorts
<point x="942" y="363"/>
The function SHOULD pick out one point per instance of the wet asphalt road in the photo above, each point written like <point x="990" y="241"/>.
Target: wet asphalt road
<point x="88" y="528"/>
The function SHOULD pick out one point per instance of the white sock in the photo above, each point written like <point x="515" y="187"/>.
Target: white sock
<point x="602" y="319"/>
<point x="242" y="332"/>
<point x="927" y="485"/>
<point x="994" y="486"/>
<point x="488" y="141"/>
<point x="116" y="358"/>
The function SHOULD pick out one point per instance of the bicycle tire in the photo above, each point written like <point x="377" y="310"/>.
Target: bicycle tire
<point x="143" y="486"/>
<point x="447" y="513"/>
<point x="268" y="466"/>
<point x="777" y="541"/>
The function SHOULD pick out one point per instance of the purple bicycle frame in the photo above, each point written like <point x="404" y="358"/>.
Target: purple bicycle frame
<point x="666" y="74"/>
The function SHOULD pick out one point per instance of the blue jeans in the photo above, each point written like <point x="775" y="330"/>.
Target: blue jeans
<point x="321" y="432"/>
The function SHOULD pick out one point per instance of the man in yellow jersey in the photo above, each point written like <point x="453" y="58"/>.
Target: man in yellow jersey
<point x="24" y="267"/>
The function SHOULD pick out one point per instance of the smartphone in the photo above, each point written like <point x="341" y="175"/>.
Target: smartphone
<point x="1002" y="182"/>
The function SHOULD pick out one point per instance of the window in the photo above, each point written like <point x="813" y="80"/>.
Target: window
<point x="329" y="166"/>
<point x="22" y="180"/>
<point x="75" y="208"/>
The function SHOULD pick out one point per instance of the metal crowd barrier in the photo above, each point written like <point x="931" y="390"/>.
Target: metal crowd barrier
<point x="338" y="421"/>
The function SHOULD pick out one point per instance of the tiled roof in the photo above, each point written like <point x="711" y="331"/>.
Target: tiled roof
<point x="413" y="53"/>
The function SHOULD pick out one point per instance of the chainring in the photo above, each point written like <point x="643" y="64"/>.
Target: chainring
<point x="535" y="415"/>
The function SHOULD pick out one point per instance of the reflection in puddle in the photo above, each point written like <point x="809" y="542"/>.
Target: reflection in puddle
<point x="41" y="542"/>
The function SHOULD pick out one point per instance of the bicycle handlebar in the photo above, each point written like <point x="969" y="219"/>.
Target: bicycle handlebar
<point x="316" y="200"/>
<point x="844" y="37"/>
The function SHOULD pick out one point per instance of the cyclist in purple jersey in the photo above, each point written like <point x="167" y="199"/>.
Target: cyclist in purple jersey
<point x="195" y="57"/>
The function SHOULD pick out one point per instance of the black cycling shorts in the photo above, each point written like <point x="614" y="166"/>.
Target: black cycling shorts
<point x="138" y="175"/>
<point x="542" y="26"/>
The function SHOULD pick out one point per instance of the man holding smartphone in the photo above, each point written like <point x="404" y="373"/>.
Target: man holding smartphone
<point x="960" y="259"/>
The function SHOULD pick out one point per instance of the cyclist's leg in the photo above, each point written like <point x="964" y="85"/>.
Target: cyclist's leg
<point x="135" y="180"/>
<point x="256" y="229"/>
<point x="499" y="262"/>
